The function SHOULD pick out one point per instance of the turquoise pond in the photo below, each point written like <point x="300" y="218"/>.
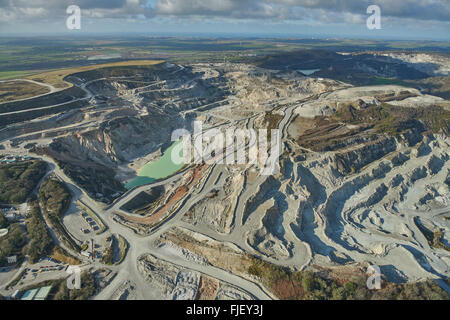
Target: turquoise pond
<point x="309" y="72"/>
<point x="156" y="170"/>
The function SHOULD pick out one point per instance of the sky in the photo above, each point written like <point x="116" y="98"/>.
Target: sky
<point x="400" y="19"/>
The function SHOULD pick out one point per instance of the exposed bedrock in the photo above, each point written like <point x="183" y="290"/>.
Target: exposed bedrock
<point x="353" y="160"/>
<point x="266" y="190"/>
<point x="270" y="238"/>
<point x="119" y="140"/>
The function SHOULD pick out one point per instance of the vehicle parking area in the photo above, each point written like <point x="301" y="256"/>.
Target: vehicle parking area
<point x="80" y="224"/>
<point x="45" y="269"/>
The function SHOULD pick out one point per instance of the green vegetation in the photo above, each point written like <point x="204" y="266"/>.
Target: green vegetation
<point x="86" y="291"/>
<point x="437" y="241"/>
<point x="40" y="241"/>
<point x="386" y="81"/>
<point x="271" y="120"/>
<point x="12" y="244"/>
<point x="18" y="180"/>
<point x="117" y="243"/>
<point x="396" y="120"/>
<point x="55" y="199"/>
<point x="13" y="74"/>
<point x="38" y="54"/>
<point x="300" y="59"/>
<point x="123" y="245"/>
<point x="307" y="285"/>
<point x="62" y="255"/>
<point x="3" y="221"/>
<point x="41" y="244"/>
<point x="56" y="78"/>
<point x="15" y="90"/>
<point x="108" y="257"/>
<point x="436" y="86"/>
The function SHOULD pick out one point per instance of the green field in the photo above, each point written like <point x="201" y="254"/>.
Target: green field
<point x="8" y="75"/>
<point x="41" y="54"/>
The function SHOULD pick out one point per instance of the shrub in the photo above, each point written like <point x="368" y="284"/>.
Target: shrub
<point x="40" y="241"/>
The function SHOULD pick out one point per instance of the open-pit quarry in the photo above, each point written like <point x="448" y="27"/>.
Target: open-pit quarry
<point x="363" y="175"/>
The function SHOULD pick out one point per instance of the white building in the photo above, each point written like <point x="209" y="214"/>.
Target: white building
<point x="12" y="259"/>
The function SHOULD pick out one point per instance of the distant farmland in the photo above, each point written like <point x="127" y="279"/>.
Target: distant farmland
<point x="56" y="78"/>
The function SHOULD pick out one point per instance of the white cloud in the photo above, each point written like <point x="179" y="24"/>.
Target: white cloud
<point x="321" y="11"/>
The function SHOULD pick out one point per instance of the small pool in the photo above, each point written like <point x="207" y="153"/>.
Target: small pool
<point x="308" y="72"/>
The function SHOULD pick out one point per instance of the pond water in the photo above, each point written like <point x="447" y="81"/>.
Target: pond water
<point x="309" y="72"/>
<point x="156" y="170"/>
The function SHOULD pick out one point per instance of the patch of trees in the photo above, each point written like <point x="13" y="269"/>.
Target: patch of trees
<point x="86" y="291"/>
<point x="108" y="257"/>
<point x="17" y="180"/>
<point x="396" y="120"/>
<point x="3" y="221"/>
<point x="55" y="199"/>
<point x="12" y="244"/>
<point x="40" y="241"/>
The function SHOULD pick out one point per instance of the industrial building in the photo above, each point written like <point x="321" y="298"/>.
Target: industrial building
<point x="37" y="294"/>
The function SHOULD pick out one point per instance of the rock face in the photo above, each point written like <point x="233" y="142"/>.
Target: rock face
<point x="120" y="140"/>
<point x="157" y="95"/>
<point x="431" y="64"/>
<point x="177" y="283"/>
<point x="353" y="160"/>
